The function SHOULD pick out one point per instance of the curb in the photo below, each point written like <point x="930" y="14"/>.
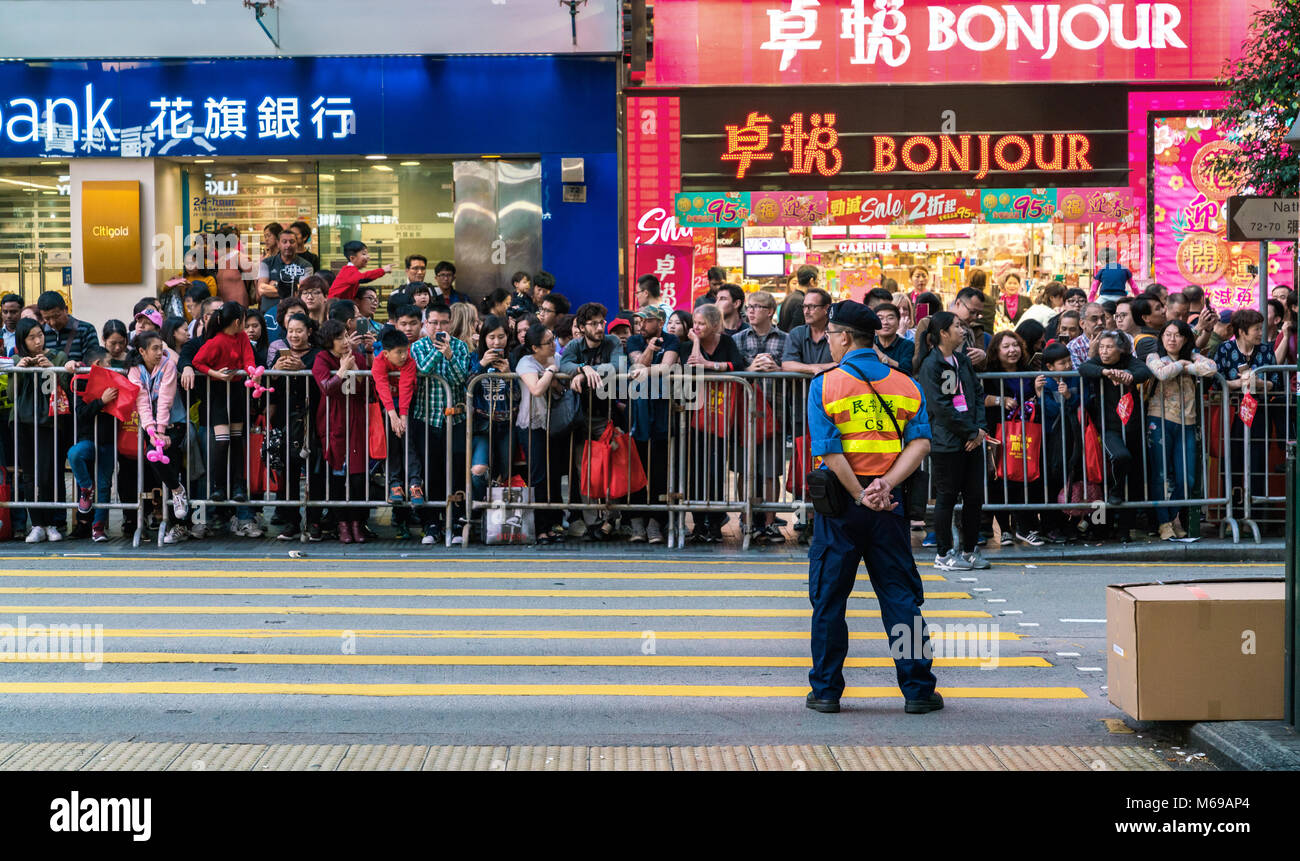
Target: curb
<point x="1249" y="745"/>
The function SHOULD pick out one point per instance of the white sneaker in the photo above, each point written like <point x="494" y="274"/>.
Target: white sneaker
<point x="175" y="535"/>
<point x="53" y="533"/>
<point x="248" y="529"/>
<point x="180" y="504"/>
<point x="37" y="535"/>
<point x="952" y="561"/>
<point x="456" y="539"/>
<point x="654" y="534"/>
<point x="1032" y="539"/>
<point x="428" y="539"/>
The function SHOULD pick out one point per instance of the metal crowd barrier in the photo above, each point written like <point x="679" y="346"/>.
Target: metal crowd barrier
<point x="1134" y="437"/>
<point x="299" y="453"/>
<point x="35" y="453"/>
<point x="640" y="405"/>
<point x="711" y="445"/>
<point x="1262" y="446"/>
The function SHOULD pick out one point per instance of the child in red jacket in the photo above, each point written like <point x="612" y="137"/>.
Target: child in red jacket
<point x="396" y="395"/>
<point x="222" y="358"/>
<point x="350" y="277"/>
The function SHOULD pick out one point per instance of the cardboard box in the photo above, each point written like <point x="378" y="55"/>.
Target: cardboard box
<point x="1192" y="650"/>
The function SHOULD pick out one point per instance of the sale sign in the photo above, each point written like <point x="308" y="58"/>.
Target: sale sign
<point x="713" y="209"/>
<point x="1095" y="205"/>
<point x="671" y="264"/>
<point x="900" y="208"/>
<point x="1017" y="205"/>
<point x="787" y="208"/>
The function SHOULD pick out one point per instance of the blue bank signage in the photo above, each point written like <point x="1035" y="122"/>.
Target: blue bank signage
<point x="312" y="106"/>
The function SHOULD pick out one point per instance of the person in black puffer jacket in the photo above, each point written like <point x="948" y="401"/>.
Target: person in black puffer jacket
<point x="955" y="400"/>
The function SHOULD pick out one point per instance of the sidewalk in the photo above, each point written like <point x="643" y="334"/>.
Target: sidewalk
<point x="199" y="756"/>
<point x="1249" y="745"/>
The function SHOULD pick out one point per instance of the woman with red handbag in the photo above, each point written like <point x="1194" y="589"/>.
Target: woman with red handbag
<point x="1113" y="378"/>
<point x="42" y="418"/>
<point x="1007" y="402"/>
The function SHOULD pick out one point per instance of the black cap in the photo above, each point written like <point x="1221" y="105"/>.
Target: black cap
<point x="854" y="315"/>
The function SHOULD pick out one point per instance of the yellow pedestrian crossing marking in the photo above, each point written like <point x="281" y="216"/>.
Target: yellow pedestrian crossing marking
<point x="299" y="574"/>
<point x="434" y="593"/>
<point x="457" y="634"/>
<point x="307" y="610"/>
<point x="512" y="690"/>
<point x="504" y="660"/>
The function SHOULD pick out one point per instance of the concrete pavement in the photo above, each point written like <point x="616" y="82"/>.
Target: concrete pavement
<point x="452" y="651"/>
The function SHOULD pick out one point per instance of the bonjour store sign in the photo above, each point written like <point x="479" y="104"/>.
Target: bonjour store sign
<point x="892" y="137"/>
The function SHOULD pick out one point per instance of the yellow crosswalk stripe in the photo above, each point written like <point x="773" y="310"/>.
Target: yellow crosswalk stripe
<point x="306" y="610"/>
<point x="503" y="660"/>
<point x="457" y="634"/>
<point x="512" y="690"/>
<point x="499" y="574"/>
<point x="435" y="593"/>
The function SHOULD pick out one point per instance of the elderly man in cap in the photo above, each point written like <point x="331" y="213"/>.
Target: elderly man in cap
<point x="869" y="426"/>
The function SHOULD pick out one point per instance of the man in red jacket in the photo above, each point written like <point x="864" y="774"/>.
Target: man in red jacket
<point x="350" y="276"/>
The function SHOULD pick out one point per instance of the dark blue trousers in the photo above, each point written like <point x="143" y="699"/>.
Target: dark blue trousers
<point x="839" y="545"/>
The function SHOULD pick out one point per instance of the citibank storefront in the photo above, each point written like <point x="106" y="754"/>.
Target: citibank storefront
<point x="495" y="163"/>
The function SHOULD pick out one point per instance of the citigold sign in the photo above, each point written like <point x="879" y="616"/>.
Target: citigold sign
<point x="111" y="251"/>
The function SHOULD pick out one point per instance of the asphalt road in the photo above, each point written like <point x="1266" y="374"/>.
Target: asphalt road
<point x="578" y="648"/>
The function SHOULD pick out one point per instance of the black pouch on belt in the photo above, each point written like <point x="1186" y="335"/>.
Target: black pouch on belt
<point x="827" y="495"/>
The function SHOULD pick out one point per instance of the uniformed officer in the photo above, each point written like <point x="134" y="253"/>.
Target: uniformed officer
<point x="869" y="425"/>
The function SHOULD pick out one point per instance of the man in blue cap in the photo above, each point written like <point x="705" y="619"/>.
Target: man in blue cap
<point x="869" y="426"/>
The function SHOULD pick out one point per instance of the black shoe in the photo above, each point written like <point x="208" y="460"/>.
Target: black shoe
<point x="1056" y="536"/>
<point x="239" y="495"/>
<point x="699" y="536"/>
<point x="1115" y="499"/>
<point x="919" y="707"/>
<point x="217" y="495"/>
<point x="314" y="532"/>
<point x="823" y="706"/>
<point x="368" y="533"/>
<point x="401" y="532"/>
<point x="291" y="532"/>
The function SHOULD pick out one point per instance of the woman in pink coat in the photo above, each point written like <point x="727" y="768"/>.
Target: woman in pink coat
<point x="341" y="423"/>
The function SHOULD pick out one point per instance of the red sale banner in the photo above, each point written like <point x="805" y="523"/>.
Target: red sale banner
<point x="877" y="208"/>
<point x="671" y="264"/>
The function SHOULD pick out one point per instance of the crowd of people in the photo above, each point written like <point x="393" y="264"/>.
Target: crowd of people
<point x="361" y="413"/>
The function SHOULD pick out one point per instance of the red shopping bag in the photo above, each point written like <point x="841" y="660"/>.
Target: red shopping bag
<point x="128" y="436"/>
<point x="378" y="434"/>
<point x="723" y="407"/>
<point x="800" y="465"/>
<point x="1094" y="464"/>
<point x="1022" y="447"/>
<point x="257" y="480"/>
<point x="1124" y="409"/>
<point x="123" y="406"/>
<point x="611" y="466"/>
<point x="1246" y="412"/>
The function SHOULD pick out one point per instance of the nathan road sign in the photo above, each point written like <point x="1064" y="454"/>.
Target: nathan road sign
<point x="1263" y="219"/>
